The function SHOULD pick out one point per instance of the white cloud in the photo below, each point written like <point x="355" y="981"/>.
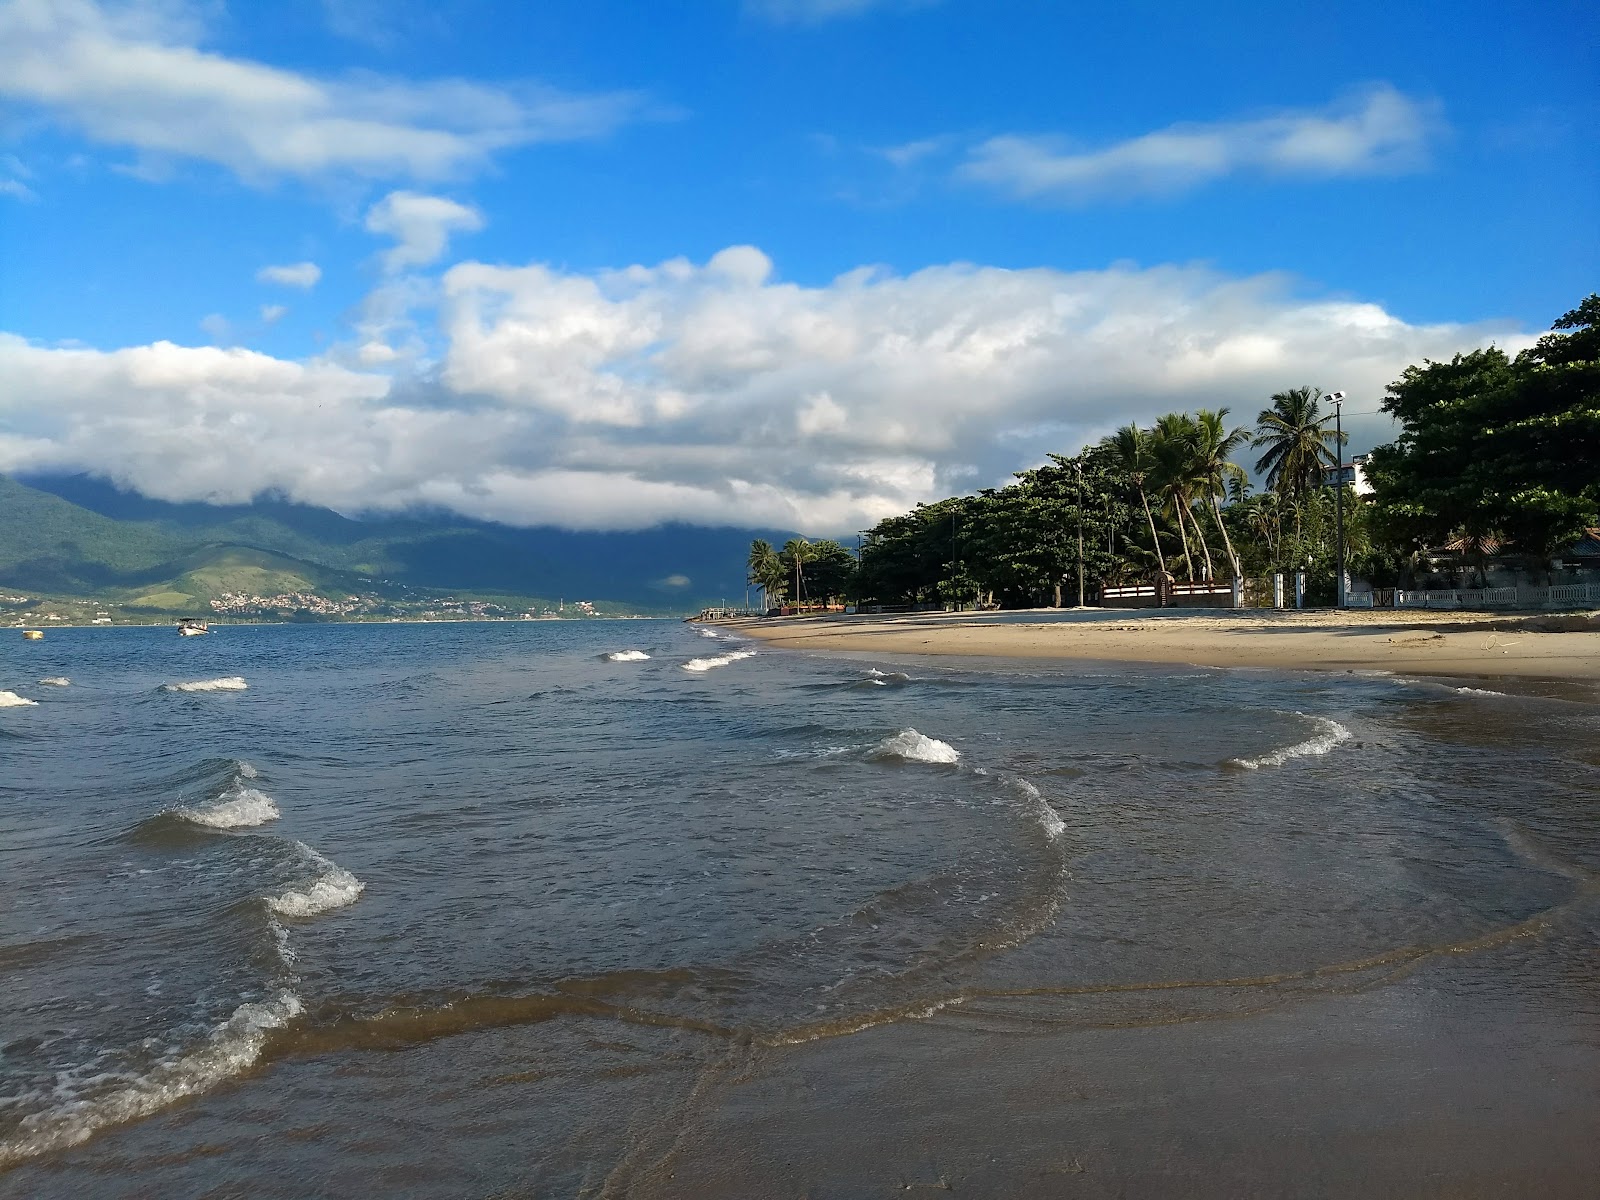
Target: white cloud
<point x="271" y="314"/>
<point x="713" y="393"/>
<point x="420" y="225"/>
<point x="302" y="275"/>
<point x="1368" y="131"/>
<point x="18" y="190"/>
<point x="127" y="76"/>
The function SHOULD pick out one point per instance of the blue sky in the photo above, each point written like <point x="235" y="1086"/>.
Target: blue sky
<point x="952" y="235"/>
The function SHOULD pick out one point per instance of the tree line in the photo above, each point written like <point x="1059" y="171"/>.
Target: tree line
<point x="1494" y="452"/>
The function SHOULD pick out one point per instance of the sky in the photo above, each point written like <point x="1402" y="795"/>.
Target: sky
<point x="783" y="263"/>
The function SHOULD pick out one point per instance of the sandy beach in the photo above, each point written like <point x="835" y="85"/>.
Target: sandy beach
<point x="1513" y="646"/>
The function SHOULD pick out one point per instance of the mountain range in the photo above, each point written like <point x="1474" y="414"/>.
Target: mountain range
<point x="78" y="536"/>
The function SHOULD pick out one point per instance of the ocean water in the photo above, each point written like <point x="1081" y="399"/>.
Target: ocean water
<point x="457" y="909"/>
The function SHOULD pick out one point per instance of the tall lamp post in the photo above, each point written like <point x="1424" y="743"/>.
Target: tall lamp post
<point x="1338" y="496"/>
<point x="955" y="567"/>
<point x="1079" y="465"/>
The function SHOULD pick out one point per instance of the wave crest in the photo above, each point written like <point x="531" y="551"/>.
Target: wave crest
<point x="228" y="683"/>
<point x="721" y="660"/>
<point x="910" y="746"/>
<point x="334" y="888"/>
<point x="231" y="1048"/>
<point x="1329" y="734"/>
<point x="237" y="808"/>
<point x="625" y="656"/>
<point x="12" y="700"/>
<point x="56" y="681"/>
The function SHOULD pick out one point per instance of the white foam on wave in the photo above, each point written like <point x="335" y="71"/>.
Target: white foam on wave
<point x="56" y="681"/>
<point x="721" y="660"/>
<point x="12" y="700"/>
<point x="1472" y="691"/>
<point x="228" y="683"/>
<point x="912" y="746"/>
<point x="627" y="656"/>
<point x="333" y="888"/>
<point x="232" y="1047"/>
<point x="1329" y="734"/>
<point x="1041" y="808"/>
<point x="238" y="808"/>
<point x="708" y="633"/>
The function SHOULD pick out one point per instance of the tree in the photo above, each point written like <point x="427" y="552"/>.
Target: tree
<point x="1492" y="446"/>
<point x="1132" y="450"/>
<point x="1213" y="448"/>
<point x="1299" y="442"/>
<point x="1174" y="445"/>
<point x="766" y="570"/>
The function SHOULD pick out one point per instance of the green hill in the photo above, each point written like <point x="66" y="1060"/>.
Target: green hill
<point x="77" y="536"/>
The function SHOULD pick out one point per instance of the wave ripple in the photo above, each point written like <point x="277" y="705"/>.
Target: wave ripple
<point x="237" y="808"/>
<point x="228" y="683"/>
<point x="334" y="888"/>
<point x="910" y="746"/>
<point x="721" y="660"/>
<point x="1329" y="734"/>
<point x="231" y="1048"/>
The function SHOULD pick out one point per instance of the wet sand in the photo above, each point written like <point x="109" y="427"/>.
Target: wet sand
<point x="1544" y="646"/>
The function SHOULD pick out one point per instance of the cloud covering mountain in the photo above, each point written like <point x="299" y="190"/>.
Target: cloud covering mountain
<point x="712" y="392"/>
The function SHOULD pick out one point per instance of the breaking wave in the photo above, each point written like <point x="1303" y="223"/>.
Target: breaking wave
<point x="232" y="1047"/>
<point x="708" y="633"/>
<point x="1464" y="691"/>
<point x="1036" y="804"/>
<point x="228" y="683"/>
<point x="1329" y="734"/>
<point x="237" y="808"/>
<point x="625" y="656"/>
<point x="910" y="746"/>
<point x="12" y="700"/>
<point x="721" y="660"/>
<point x="332" y="889"/>
<point x="56" y="681"/>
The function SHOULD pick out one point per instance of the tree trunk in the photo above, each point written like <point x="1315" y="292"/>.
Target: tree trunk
<point x="1154" y="538"/>
<point x="1233" y="559"/>
<point x="1183" y="532"/>
<point x="1211" y="571"/>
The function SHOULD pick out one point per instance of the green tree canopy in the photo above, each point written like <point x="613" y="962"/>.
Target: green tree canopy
<point x="1497" y="446"/>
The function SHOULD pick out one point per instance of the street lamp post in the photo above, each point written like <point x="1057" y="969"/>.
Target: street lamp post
<point x="955" y="568"/>
<point x="1079" y="465"/>
<point x="1338" y="496"/>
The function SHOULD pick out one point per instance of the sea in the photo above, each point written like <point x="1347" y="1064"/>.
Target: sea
<point x="644" y="908"/>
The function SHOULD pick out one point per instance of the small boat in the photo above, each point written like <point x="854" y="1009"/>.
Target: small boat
<point x="192" y="628"/>
<point x="33" y="635"/>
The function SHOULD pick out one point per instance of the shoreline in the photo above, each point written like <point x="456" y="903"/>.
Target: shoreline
<point x="1551" y="646"/>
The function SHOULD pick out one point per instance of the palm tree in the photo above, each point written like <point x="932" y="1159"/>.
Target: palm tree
<point x="1298" y="442"/>
<point x="799" y="552"/>
<point x="766" y="569"/>
<point x="1132" y="449"/>
<point x="1174" y="446"/>
<point x="1214" y="447"/>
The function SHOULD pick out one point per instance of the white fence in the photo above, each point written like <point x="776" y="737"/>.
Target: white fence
<point x="1570" y="595"/>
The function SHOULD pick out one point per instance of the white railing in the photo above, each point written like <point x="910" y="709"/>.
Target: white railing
<point x="1574" y="595"/>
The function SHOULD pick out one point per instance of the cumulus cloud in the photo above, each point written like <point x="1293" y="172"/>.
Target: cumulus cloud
<point x="303" y="275"/>
<point x="131" y="76"/>
<point x="420" y="225"/>
<point x="713" y="392"/>
<point x="1368" y="131"/>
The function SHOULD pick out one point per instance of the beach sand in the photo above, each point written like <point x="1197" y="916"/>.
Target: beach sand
<point x="1545" y="646"/>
